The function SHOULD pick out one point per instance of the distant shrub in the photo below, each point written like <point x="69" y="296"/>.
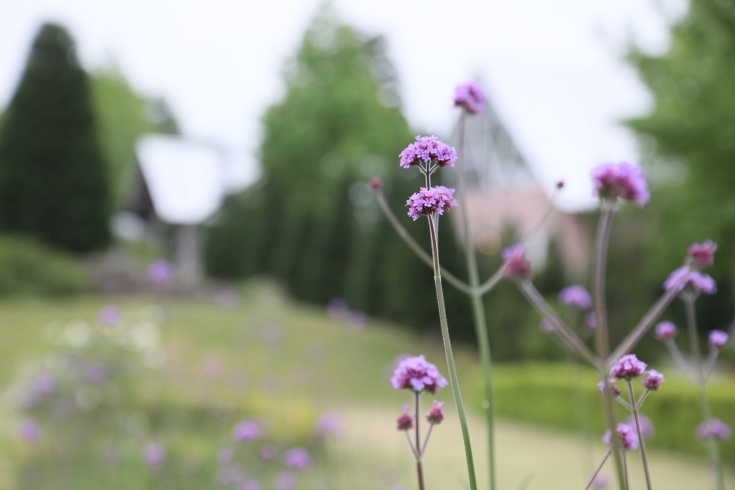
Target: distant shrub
<point x="29" y="268"/>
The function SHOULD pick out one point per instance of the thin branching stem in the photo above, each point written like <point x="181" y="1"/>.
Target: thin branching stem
<point x="419" y="467"/>
<point x="679" y="359"/>
<point x="597" y="471"/>
<point x="644" y="456"/>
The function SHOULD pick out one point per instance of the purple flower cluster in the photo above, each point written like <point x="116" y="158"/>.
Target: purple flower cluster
<point x="611" y="386"/>
<point x="297" y="458"/>
<point x="628" y="367"/>
<point x="665" y="331"/>
<point x="434" y="200"/>
<point x="647" y="429"/>
<point x="246" y="430"/>
<point x="329" y="423"/>
<point x="575" y="296"/>
<point x="653" y="380"/>
<point x="404" y="421"/>
<point x="161" y="272"/>
<point x="470" y="97"/>
<point x="620" y="180"/>
<point x="154" y="455"/>
<point x="627" y="434"/>
<point x="702" y="254"/>
<point x="714" y="428"/>
<point x="29" y="430"/>
<point x="515" y="265"/>
<point x="416" y="374"/>
<point x="427" y="150"/>
<point x="435" y="415"/>
<point x="717" y="339"/>
<point x="682" y="277"/>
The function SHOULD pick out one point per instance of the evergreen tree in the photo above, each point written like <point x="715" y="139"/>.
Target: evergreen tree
<point x="53" y="182"/>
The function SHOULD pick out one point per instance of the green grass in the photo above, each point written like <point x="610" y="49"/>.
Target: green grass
<point x="292" y="361"/>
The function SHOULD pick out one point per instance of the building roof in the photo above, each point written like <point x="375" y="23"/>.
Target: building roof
<point x="183" y="178"/>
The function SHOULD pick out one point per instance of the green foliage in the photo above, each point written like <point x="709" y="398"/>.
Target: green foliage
<point x="543" y="394"/>
<point x="690" y="133"/>
<point x="29" y="268"/>
<point x="53" y="178"/>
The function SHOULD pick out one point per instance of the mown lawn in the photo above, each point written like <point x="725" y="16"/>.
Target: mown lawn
<point x="305" y="360"/>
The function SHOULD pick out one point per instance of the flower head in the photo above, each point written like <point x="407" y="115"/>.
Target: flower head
<point x="415" y="373"/>
<point x="620" y="180"/>
<point x="470" y="97"/>
<point x="404" y="421"/>
<point x="427" y="150"/>
<point x="435" y="415"/>
<point x="160" y="272"/>
<point x="429" y="201"/>
<point x="627" y="434"/>
<point x="702" y="254"/>
<point x="29" y="430"/>
<point x="375" y="183"/>
<point x="297" y="458"/>
<point x="611" y="386"/>
<point x="665" y="331"/>
<point x="576" y="296"/>
<point x="682" y="277"/>
<point x="154" y="455"/>
<point x="627" y="367"/>
<point x="717" y="339"/>
<point x="246" y="430"/>
<point x="647" y="429"/>
<point x="515" y="265"/>
<point x="714" y="428"/>
<point x="653" y="380"/>
<point x="328" y="423"/>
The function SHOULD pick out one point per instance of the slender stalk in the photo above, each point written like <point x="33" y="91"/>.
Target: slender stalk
<point x="583" y="417"/>
<point x="602" y="240"/>
<point x="419" y="468"/>
<point x="453" y="380"/>
<point x="478" y="310"/>
<point x="426" y="441"/>
<point x="679" y="359"/>
<point x="710" y="364"/>
<point x="408" y="240"/>
<point x="625" y="469"/>
<point x="599" y="468"/>
<point x="712" y="447"/>
<point x="644" y="456"/>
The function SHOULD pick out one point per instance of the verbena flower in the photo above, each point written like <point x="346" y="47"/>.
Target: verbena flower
<point x="621" y="180"/>
<point x="714" y="428"/>
<point x="702" y="254"/>
<point x="29" y="430"/>
<point x="434" y="200"/>
<point x="665" y="330"/>
<point x="682" y="277"/>
<point x="154" y="455"/>
<point x="515" y="265"/>
<point x="329" y="423"/>
<point x="428" y="150"/>
<point x="404" y="421"/>
<point x="647" y="429"/>
<point x="435" y="415"/>
<point x="612" y="386"/>
<point x="470" y="97"/>
<point x="246" y="430"/>
<point x="375" y="183"/>
<point x="297" y="458"/>
<point x="627" y="367"/>
<point x="601" y="481"/>
<point x="415" y="373"/>
<point x="161" y="272"/>
<point x="576" y="296"/>
<point x="653" y="380"/>
<point x="628" y="436"/>
<point x="717" y="339"/>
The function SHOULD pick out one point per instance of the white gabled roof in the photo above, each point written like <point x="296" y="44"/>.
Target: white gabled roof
<point x="184" y="178"/>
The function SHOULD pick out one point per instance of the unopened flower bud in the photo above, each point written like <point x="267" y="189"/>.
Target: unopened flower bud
<point x="435" y="415"/>
<point x="653" y="380"/>
<point x="404" y="421"/>
<point x="665" y="331"/>
<point x="717" y="339"/>
<point x="375" y="183"/>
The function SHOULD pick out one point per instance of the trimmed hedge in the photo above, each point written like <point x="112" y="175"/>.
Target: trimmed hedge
<point x="543" y="394"/>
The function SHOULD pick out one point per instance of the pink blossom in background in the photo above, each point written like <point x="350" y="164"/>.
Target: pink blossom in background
<point x="665" y="330"/>
<point x="470" y="97"/>
<point x="246" y="430"/>
<point x="154" y="455"/>
<point x="620" y="180"/>
<point x="375" y="183"/>
<point x="416" y="374"/>
<point x="682" y="277"/>
<point x="576" y="296"/>
<point x="329" y="423"/>
<point x="717" y="339"/>
<point x="109" y="315"/>
<point x="428" y="150"/>
<point x="161" y="272"/>
<point x="29" y="430"/>
<point x="515" y="265"/>
<point x="647" y="429"/>
<point x="297" y="458"/>
<point x="268" y="452"/>
<point x="702" y="254"/>
<point x="626" y="433"/>
<point x="714" y="428"/>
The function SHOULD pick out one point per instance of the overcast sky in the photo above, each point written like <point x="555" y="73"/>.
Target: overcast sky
<point x="553" y="68"/>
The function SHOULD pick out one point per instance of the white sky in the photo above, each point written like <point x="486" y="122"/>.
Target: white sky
<point x="552" y="67"/>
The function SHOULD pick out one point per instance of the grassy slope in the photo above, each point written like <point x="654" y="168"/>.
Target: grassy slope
<point x="298" y="352"/>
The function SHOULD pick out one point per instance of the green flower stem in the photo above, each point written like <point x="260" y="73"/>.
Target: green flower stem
<point x="602" y="240"/>
<point x="478" y="311"/>
<point x="712" y="447"/>
<point x="419" y="467"/>
<point x="453" y="380"/>
<point x="644" y="456"/>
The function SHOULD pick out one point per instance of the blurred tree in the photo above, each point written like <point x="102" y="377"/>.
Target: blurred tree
<point x="690" y="140"/>
<point x="53" y="178"/>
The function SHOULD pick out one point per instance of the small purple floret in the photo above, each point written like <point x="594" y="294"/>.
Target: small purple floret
<point x="416" y="374"/>
<point x="627" y="434"/>
<point x="427" y="150"/>
<point x="665" y="331"/>
<point x="246" y="430"/>
<point x="160" y="272"/>
<point x="435" y="415"/>
<point x="653" y="380"/>
<point x="470" y="97"/>
<point x="576" y="296"/>
<point x="29" y="430"/>
<point x="628" y="367"/>
<point x="404" y="421"/>
<point x="714" y="428"/>
<point x="297" y="458"/>
<point x="434" y="200"/>
<point x="620" y="180"/>
<point x="611" y="385"/>
<point x="702" y="254"/>
<point x="515" y="265"/>
<point x="647" y="429"/>
<point x="109" y="315"/>
<point x="154" y="455"/>
<point x="329" y="423"/>
<point x="717" y="339"/>
<point x="682" y="277"/>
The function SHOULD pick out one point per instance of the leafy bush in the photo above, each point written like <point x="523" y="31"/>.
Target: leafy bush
<point x="29" y="268"/>
<point x="543" y="394"/>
